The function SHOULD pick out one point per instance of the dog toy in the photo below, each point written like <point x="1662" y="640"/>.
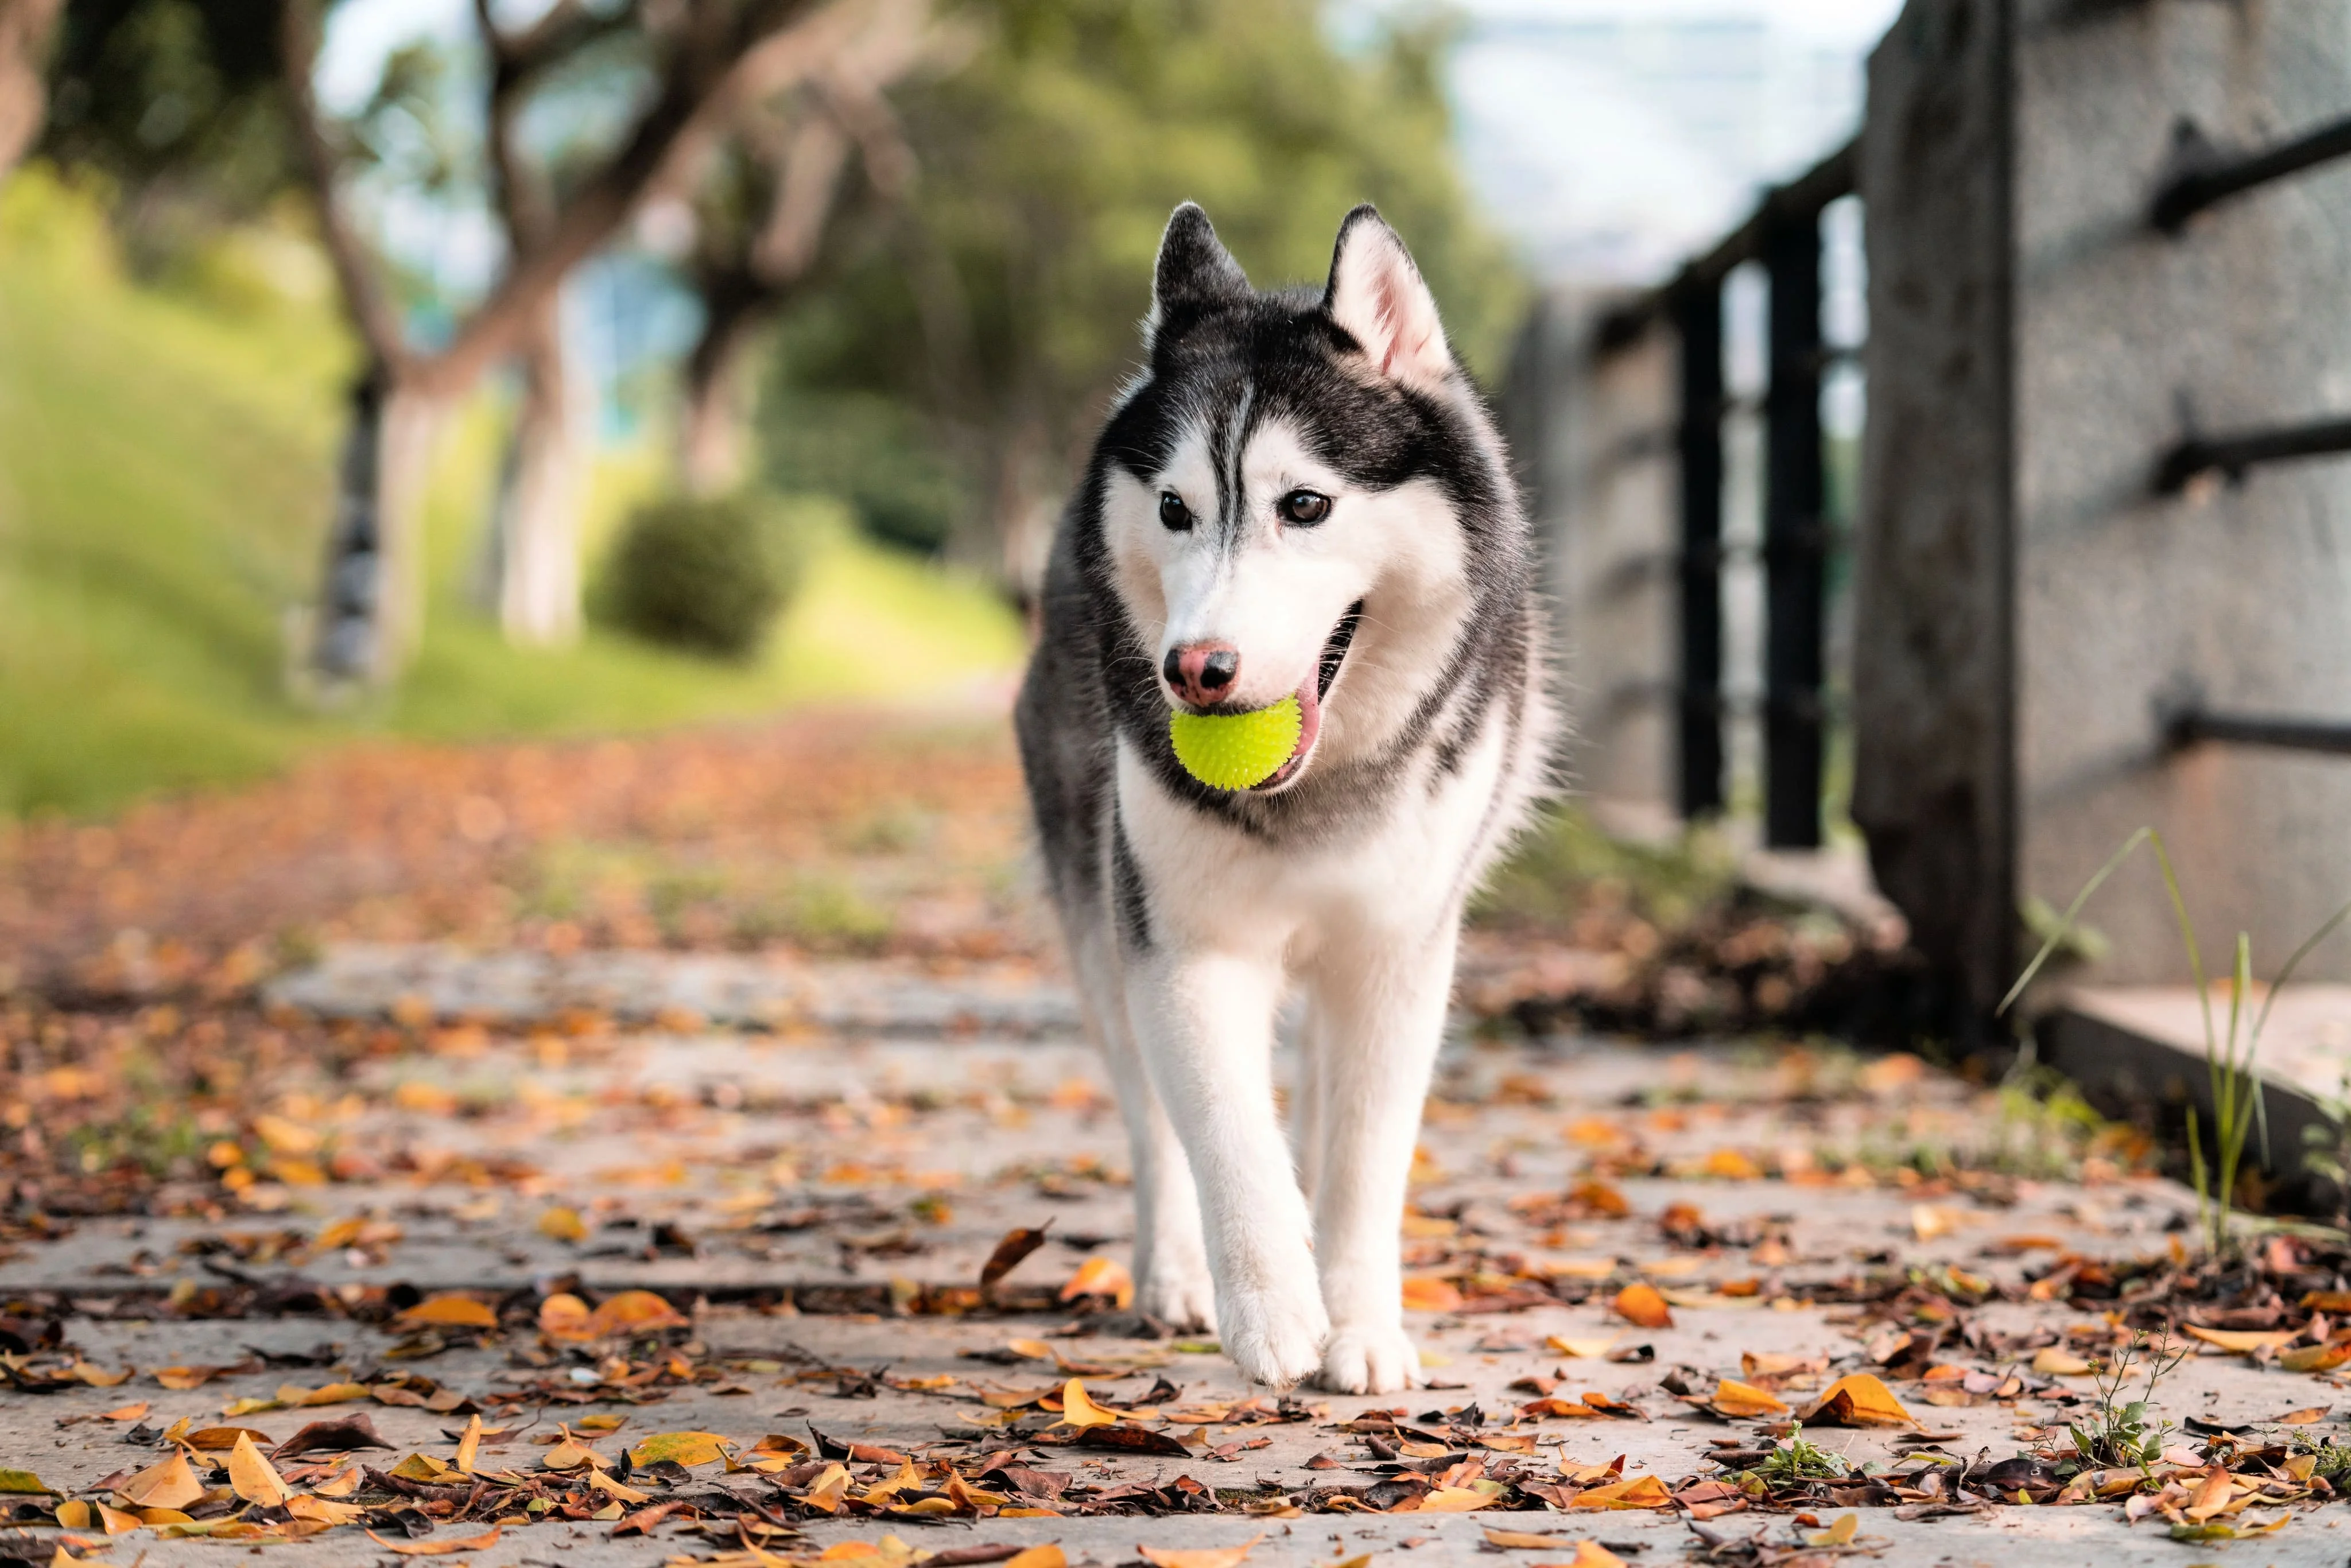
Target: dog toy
<point x="1236" y="750"/>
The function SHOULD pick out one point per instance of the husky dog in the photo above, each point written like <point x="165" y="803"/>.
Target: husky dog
<point x="1300" y="494"/>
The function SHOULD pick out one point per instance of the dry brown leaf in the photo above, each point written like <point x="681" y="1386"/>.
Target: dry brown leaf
<point x="1458" y="1499"/>
<point x="633" y="1312"/>
<point x="1858" y="1400"/>
<point x="1582" y="1349"/>
<point x="688" y="1449"/>
<point x="128" y="1412"/>
<point x="1640" y="1304"/>
<point x="2054" y="1361"/>
<point x="181" y="1379"/>
<point x="481" y="1542"/>
<point x="1199" y="1557"/>
<point x="1011" y="1251"/>
<point x="562" y="1225"/>
<point x="450" y="1310"/>
<point x="1049" y="1555"/>
<point x="1521" y="1540"/>
<point x="469" y="1444"/>
<point x="319" y="1510"/>
<point x="1637" y="1491"/>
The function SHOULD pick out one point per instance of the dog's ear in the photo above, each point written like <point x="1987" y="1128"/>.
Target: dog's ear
<point x="1196" y="272"/>
<point x="1378" y="297"/>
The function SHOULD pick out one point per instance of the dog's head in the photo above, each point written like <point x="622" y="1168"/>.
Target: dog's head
<point x="1291" y="490"/>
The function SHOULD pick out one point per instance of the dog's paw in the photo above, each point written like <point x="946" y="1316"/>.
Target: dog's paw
<point x="1274" y="1337"/>
<point x="1370" y="1359"/>
<point x="1185" y="1298"/>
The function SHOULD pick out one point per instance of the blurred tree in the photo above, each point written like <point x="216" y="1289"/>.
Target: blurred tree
<point x="760" y="219"/>
<point x="25" y="29"/>
<point x="1000" y="304"/>
<point x="695" y="63"/>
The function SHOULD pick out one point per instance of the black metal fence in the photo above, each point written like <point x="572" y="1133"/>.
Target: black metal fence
<point x="1784" y="234"/>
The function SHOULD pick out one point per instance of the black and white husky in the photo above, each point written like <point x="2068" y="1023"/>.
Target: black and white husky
<point x="1302" y="494"/>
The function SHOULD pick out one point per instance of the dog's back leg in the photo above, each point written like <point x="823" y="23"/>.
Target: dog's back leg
<point x="1171" y="1259"/>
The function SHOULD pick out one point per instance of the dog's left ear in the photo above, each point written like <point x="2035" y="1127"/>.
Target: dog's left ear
<point x="1377" y="295"/>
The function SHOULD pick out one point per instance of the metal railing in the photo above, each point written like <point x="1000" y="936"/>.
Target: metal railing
<point x="1783" y="233"/>
<point x="2203" y="176"/>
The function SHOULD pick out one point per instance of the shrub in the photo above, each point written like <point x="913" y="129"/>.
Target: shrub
<point x="704" y="574"/>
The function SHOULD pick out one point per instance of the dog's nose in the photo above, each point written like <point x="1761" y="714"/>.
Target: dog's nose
<point x="1202" y="673"/>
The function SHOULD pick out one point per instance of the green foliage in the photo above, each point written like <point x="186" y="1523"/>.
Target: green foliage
<point x="872" y="452"/>
<point x="1002" y="302"/>
<point x="707" y="575"/>
<point x="1798" y="1460"/>
<point x="1565" y="862"/>
<point x="2238" y="1097"/>
<point x="167" y="454"/>
<point x="2125" y="1432"/>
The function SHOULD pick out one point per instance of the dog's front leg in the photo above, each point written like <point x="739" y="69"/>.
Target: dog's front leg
<point x="1381" y="1011"/>
<point x="1205" y="1021"/>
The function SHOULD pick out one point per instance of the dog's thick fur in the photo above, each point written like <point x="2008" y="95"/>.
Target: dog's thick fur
<point x="1404" y="621"/>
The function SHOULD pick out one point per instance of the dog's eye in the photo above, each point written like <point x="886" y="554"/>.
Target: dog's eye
<point x="1173" y="512"/>
<point x="1305" y="506"/>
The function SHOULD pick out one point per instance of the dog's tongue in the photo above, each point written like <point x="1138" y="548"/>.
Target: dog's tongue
<point x="1309" y="718"/>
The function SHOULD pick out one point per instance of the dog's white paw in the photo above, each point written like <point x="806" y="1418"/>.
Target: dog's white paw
<point x="1369" y="1359"/>
<point x="1275" y="1337"/>
<point x="1185" y="1298"/>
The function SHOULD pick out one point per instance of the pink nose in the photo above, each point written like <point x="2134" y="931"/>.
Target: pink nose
<point x="1202" y="674"/>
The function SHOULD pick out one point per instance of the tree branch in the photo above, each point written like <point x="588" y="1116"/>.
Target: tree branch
<point x="363" y="298"/>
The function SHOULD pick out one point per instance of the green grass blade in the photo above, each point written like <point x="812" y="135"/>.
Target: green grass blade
<point x="2065" y="925"/>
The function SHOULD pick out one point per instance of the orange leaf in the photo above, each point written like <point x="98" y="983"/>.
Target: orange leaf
<point x="2243" y="1341"/>
<point x="1049" y="1555"/>
<point x="1640" y="1304"/>
<point x="127" y="1412"/>
<point x="1427" y="1293"/>
<point x="1457" y="1500"/>
<point x="481" y="1542"/>
<point x="564" y="1316"/>
<point x="1732" y="1398"/>
<point x="1640" y="1491"/>
<point x="1198" y="1556"/>
<point x="632" y="1311"/>
<point x="1078" y="1409"/>
<point x="450" y="1310"/>
<point x="1859" y="1400"/>
<point x="253" y="1477"/>
<point x="2314" y="1357"/>
<point x="168" y="1484"/>
<point x="1100" y="1276"/>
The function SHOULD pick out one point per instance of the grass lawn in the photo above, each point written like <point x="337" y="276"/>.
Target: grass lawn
<point x="165" y="462"/>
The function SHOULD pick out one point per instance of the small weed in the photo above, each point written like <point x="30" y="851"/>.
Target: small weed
<point x="2239" y="1103"/>
<point x="1797" y="1460"/>
<point x="2125" y="1432"/>
<point x="2332" y="1460"/>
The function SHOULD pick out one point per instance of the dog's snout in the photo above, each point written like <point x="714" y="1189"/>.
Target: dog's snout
<point x="1202" y="673"/>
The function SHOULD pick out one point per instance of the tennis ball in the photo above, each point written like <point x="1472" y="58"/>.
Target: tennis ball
<point x="1236" y="750"/>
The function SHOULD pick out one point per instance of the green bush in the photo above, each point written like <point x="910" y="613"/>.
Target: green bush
<point x="708" y="575"/>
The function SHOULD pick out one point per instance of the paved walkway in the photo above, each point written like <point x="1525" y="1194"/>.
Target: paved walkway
<point x="815" y="1200"/>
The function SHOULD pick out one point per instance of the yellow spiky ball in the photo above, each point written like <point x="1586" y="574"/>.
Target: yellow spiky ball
<point x="1237" y="751"/>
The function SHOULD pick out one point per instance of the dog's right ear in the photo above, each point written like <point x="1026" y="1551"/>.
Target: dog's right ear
<point x="1196" y="272"/>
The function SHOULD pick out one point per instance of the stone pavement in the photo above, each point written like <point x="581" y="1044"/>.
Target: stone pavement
<point x="817" y="1199"/>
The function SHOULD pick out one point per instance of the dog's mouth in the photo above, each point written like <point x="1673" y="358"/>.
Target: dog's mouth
<point x="1310" y="701"/>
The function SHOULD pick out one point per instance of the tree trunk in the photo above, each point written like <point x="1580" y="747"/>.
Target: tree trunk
<point x="538" y="517"/>
<point x="712" y="439"/>
<point x="372" y="612"/>
<point x="25" y="29"/>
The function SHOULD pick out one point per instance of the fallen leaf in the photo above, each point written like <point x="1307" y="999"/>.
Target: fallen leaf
<point x="1459" y="1500"/>
<point x="1640" y="1304"/>
<point x="469" y="1446"/>
<point x="1011" y="1251"/>
<point x="1840" y="1533"/>
<point x="1858" y="1400"/>
<point x="562" y="1225"/>
<point x="1743" y="1400"/>
<point x="1427" y="1293"/>
<point x="1100" y="1276"/>
<point x="450" y="1310"/>
<point x="319" y="1510"/>
<point x="2054" y="1361"/>
<point x="128" y="1412"/>
<point x="181" y="1379"/>
<point x="253" y="1477"/>
<point x="332" y="1393"/>
<point x="25" y="1482"/>
<point x="633" y="1311"/>
<point x="2315" y="1357"/>
<point x="1638" y="1491"/>
<point x="1508" y="1540"/>
<point x="1199" y="1556"/>
<point x="340" y="1436"/>
<point x="2243" y="1341"/>
<point x="169" y="1484"/>
<point x="1049" y="1555"/>
<point x="688" y="1449"/>
<point x="1077" y="1408"/>
<point x="564" y="1316"/>
<point x="220" y="1440"/>
<point x="1582" y="1349"/>
<point x="483" y="1542"/>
